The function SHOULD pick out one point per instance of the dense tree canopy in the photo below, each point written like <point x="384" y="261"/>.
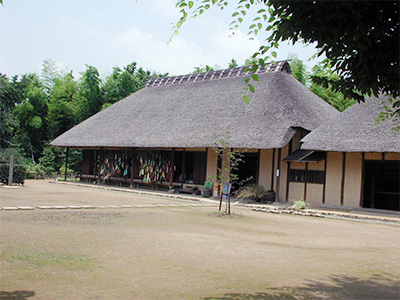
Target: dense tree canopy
<point x="360" y="39"/>
<point x="36" y="109"/>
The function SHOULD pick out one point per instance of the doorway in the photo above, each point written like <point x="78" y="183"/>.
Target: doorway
<point x="382" y="185"/>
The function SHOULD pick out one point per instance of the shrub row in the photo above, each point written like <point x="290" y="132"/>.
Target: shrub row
<point x="18" y="173"/>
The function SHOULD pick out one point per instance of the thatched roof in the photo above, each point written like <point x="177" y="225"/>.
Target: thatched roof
<point x="190" y="113"/>
<point x="355" y="130"/>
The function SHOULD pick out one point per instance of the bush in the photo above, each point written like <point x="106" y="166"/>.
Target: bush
<point x="252" y="191"/>
<point x="19" y="174"/>
<point x="5" y="154"/>
<point x="300" y="205"/>
<point x="35" y="171"/>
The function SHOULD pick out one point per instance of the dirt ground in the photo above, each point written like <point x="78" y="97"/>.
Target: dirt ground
<point x="185" y="252"/>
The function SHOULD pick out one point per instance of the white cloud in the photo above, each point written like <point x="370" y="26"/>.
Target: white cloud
<point x="177" y="57"/>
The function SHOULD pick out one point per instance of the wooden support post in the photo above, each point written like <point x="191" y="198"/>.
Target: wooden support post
<point x="66" y="164"/>
<point x="183" y="167"/>
<point x="343" y="179"/>
<point x="99" y="165"/>
<point x="362" y="179"/>
<point x="325" y="172"/>
<point x="132" y="167"/>
<point x="171" y="173"/>
<point x="273" y="169"/>
<point x="287" y="181"/>
<point x="258" y="166"/>
<point x="278" y="170"/>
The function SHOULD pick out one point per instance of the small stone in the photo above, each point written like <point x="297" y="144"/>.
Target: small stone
<point x="26" y="207"/>
<point x="10" y="208"/>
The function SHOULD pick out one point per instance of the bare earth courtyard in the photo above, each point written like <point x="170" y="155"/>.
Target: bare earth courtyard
<point x="179" y="250"/>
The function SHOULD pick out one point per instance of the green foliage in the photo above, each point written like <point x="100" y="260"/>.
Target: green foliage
<point x="300" y="205"/>
<point x="299" y="69"/>
<point x="230" y="159"/>
<point x="334" y="98"/>
<point x="202" y="69"/>
<point x="19" y="172"/>
<point x="89" y="89"/>
<point x="359" y="38"/>
<point x="35" y="171"/>
<point x="19" y="158"/>
<point x="252" y="191"/>
<point x="34" y="110"/>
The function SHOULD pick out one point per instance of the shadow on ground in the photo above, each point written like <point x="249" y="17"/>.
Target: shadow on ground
<point x="336" y="287"/>
<point x="17" y="295"/>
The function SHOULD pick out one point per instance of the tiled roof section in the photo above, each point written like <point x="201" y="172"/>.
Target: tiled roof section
<point x="280" y="66"/>
<point x="306" y="156"/>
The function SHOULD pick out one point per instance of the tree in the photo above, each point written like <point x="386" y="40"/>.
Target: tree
<point x="334" y="98"/>
<point x="62" y="113"/>
<point x="123" y="82"/>
<point x="359" y="38"/>
<point x="89" y="89"/>
<point x="31" y="114"/>
<point x="299" y="69"/>
<point x="9" y="97"/>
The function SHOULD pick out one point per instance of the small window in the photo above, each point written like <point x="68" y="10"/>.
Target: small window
<point x="308" y="176"/>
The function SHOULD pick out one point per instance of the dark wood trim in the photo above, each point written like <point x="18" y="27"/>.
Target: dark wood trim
<point x="288" y="170"/>
<point x="305" y="186"/>
<point x="258" y="166"/>
<point x="183" y="167"/>
<point x="66" y="164"/>
<point x="132" y="167"/>
<point x="273" y="169"/>
<point x="171" y="172"/>
<point x="99" y="166"/>
<point x="96" y="160"/>
<point x="278" y="173"/>
<point x="383" y="155"/>
<point x="362" y="178"/>
<point x="343" y="179"/>
<point x="325" y="172"/>
<point x="287" y="182"/>
<point x="206" y="163"/>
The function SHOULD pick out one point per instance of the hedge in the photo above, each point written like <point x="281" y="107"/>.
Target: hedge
<point x="18" y="174"/>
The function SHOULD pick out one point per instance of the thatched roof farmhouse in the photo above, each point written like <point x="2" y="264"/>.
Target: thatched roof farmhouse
<point x="356" y="130"/>
<point x="161" y="137"/>
<point x="187" y="111"/>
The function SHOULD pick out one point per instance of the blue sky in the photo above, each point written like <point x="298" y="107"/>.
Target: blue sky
<point x="105" y="34"/>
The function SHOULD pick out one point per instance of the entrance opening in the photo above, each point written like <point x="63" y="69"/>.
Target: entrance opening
<point x="195" y="167"/>
<point x="248" y="168"/>
<point x="382" y="185"/>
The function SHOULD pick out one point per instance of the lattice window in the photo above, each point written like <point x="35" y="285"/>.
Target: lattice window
<point x="308" y="176"/>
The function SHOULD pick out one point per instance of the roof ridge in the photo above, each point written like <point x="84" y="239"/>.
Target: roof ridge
<point x="278" y="66"/>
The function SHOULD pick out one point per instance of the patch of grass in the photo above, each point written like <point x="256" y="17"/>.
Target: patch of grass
<point x="300" y="205"/>
<point x="38" y="257"/>
<point x="224" y="214"/>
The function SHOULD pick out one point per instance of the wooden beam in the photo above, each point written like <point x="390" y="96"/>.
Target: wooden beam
<point x="362" y="178"/>
<point x="183" y="166"/>
<point x="100" y="160"/>
<point x="343" y="179"/>
<point x="258" y="166"/>
<point x="278" y="171"/>
<point x="66" y="164"/>
<point x="287" y="182"/>
<point x="273" y="169"/>
<point x="171" y="173"/>
<point x="325" y="172"/>
<point x="132" y="167"/>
